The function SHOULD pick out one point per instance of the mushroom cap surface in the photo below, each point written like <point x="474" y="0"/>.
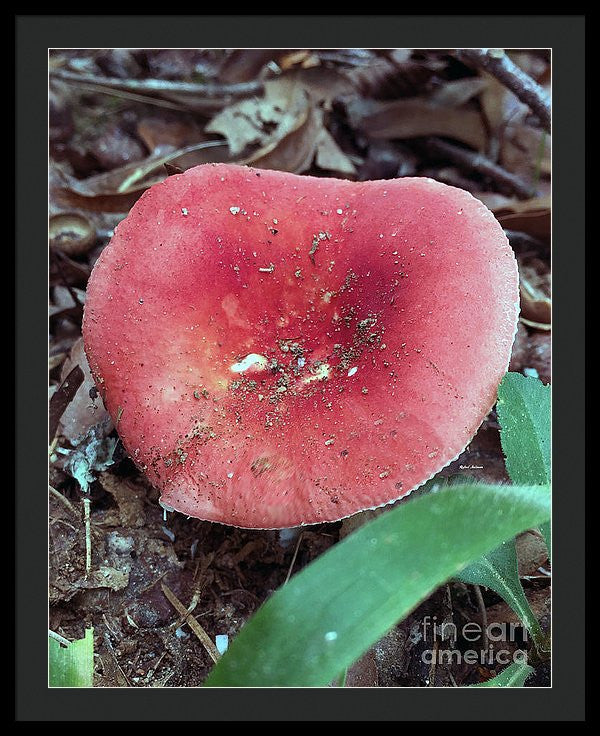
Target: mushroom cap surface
<point x="279" y="350"/>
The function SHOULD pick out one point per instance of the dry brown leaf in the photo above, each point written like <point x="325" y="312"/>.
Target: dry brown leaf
<point x="157" y="131"/>
<point x="532" y="553"/>
<point x="530" y="216"/>
<point x="119" y="189"/>
<point x="457" y="92"/>
<point x="67" y="192"/>
<point x="536" y="222"/>
<point x="417" y="117"/>
<point x="294" y="152"/>
<point x="392" y="75"/>
<point x="322" y="84"/>
<point x="539" y="600"/>
<point x="499" y="104"/>
<point x="525" y="149"/>
<point x="245" y="65"/>
<point x="82" y="412"/>
<point x="301" y="57"/>
<point x="330" y="156"/>
<point x="536" y="308"/>
<point x="264" y="121"/>
<point x="129" y="496"/>
<point x="363" y="673"/>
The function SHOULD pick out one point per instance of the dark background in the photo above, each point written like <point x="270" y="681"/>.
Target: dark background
<point x="570" y="139"/>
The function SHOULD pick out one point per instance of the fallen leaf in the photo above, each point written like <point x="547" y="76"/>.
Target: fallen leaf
<point x="294" y="152"/>
<point x="129" y="496"/>
<point x="160" y="131"/>
<point x="245" y="65"/>
<point x="531" y="216"/>
<point x="106" y="577"/>
<point x="526" y="151"/>
<point x="330" y="156"/>
<point x="82" y="412"/>
<point x="532" y="553"/>
<point x="457" y="92"/>
<point x="499" y="104"/>
<point x="536" y="308"/>
<point x="323" y="84"/>
<point x="415" y="118"/>
<point x="62" y="397"/>
<point x="264" y="121"/>
<point x="363" y="673"/>
<point x="119" y="189"/>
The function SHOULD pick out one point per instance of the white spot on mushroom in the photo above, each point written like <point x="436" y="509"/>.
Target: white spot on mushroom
<point x="352" y="371"/>
<point x="253" y="360"/>
<point x="234" y="210"/>
<point x="327" y="296"/>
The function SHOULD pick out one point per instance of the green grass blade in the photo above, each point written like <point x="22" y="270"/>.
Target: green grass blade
<point x="347" y="599"/>
<point x="498" y="570"/>
<point x="72" y="666"/>
<point x="513" y="676"/>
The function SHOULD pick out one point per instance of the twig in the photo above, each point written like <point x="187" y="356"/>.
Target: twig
<point x="483" y="611"/>
<point x="432" y="668"/>
<point x="292" y="563"/>
<point x="121" y="94"/>
<point x="161" y="86"/>
<point x="111" y="650"/>
<point x="472" y="161"/>
<point x="499" y="65"/>
<point x="88" y="535"/>
<point x="60" y="639"/>
<point x="204" y="638"/>
<point x="63" y="500"/>
<point x="450" y="175"/>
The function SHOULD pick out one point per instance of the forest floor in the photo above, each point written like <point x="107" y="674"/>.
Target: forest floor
<point x="121" y="120"/>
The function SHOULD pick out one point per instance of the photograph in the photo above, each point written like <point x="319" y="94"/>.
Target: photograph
<point x="299" y="367"/>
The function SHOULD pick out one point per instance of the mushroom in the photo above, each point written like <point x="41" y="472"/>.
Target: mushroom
<point x="279" y="350"/>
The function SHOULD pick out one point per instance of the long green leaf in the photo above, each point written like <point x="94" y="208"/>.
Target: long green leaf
<point x="524" y="414"/>
<point x="72" y="666"/>
<point x="498" y="570"/>
<point x="546" y="530"/>
<point x="513" y="676"/>
<point x="348" y="598"/>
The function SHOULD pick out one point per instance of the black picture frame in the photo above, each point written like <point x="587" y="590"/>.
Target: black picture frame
<point x="565" y="35"/>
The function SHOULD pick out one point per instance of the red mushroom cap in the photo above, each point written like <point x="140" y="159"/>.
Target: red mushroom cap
<point x="279" y="350"/>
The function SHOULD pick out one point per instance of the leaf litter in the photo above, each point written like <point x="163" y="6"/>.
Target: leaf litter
<point x="121" y="120"/>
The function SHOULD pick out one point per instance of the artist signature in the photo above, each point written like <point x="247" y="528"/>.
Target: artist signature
<point x="471" y="467"/>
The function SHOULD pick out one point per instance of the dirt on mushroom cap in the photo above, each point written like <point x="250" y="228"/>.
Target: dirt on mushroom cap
<point x="288" y="350"/>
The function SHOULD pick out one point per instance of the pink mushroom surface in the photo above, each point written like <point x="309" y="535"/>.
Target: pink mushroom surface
<point x="279" y="350"/>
